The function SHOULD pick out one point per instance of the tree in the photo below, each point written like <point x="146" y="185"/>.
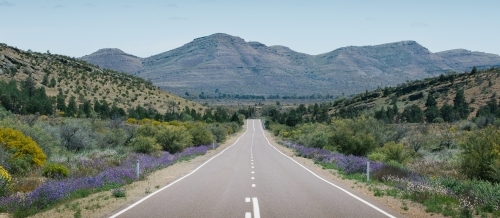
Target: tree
<point x="474" y="70"/>
<point x="52" y="83"/>
<point x="432" y="111"/>
<point x="72" y="109"/>
<point x="86" y="108"/>
<point x="60" y="101"/>
<point x="413" y="114"/>
<point x="448" y="113"/>
<point x="45" y="80"/>
<point x="460" y="105"/>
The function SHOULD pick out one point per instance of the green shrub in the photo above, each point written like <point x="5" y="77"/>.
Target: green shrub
<point x="219" y="132"/>
<point x="119" y="193"/>
<point x="377" y="156"/>
<point x="173" y="138"/>
<point x="395" y="152"/>
<point x="147" y="130"/>
<point x="200" y="135"/>
<point x="113" y="138"/>
<point x="41" y="134"/>
<point x="5" y="182"/>
<point x="353" y="136"/>
<point x="79" y="134"/>
<point x="481" y="152"/>
<point x="146" y="145"/>
<point x="55" y="171"/>
<point x="19" y="166"/>
<point x="358" y="144"/>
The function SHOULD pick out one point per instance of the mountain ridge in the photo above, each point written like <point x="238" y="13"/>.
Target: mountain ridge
<point x="232" y="65"/>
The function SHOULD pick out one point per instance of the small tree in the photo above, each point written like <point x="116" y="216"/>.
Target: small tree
<point x="460" y="105"/>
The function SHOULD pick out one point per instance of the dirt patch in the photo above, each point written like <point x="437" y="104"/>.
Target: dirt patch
<point x="103" y="204"/>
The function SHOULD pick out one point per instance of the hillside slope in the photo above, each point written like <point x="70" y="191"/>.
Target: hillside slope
<point x="85" y="81"/>
<point x="232" y="65"/>
<point x="479" y="88"/>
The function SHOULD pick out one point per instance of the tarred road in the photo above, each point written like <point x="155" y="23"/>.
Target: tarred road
<point x="252" y="178"/>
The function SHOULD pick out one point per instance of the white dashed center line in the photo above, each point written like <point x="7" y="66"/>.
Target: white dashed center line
<point x="253" y="185"/>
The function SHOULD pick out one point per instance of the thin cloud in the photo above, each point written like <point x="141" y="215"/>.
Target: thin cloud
<point x="59" y="6"/>
<point x="419" y="25"/>
<point x="5" y="4"/>
<point x="172" y="6"/>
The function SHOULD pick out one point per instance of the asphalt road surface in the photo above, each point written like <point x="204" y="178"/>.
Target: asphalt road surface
<point x="251" y="178"/>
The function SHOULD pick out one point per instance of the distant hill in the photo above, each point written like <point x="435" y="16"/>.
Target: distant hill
<point x="224" y="64"/>
<point x="85" y="81"/>
<point x="115" y="59"/>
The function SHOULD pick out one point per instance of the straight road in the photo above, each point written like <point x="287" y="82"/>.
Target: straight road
<point x="252" y="178"/>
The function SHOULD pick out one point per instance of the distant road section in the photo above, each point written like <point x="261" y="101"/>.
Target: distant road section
<point x="252" y="178"/>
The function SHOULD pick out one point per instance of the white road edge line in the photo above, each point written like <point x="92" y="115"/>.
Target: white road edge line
<point x="159" y="190"/>
<point x="256" y="210"/>
<point x="319" y="177"/>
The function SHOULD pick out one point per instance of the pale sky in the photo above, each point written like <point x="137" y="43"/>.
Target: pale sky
<point x="148" y="27"/>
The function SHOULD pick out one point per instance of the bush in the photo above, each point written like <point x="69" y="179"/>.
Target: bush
<point x="113" y="138"/>
<point x="131" y="121"/>
<point x="119" y="193"/>
<point x="200" y="135"/>
<point x="219" y="132"/>
<point x="5" y="182"/>
<point x="480" y="154"/>
<point x="41" y="134"/>
<point x="395" y="152"/>
<point x="173" y="138"/>
<point x="145" y="145"/>
<point x="77" y="135"/>
<point x="353" y="136"/>
<point x="147" y="130"/>
<point x="377" y="156"/>
<point x="21" y="147"/>
<point x="55" y="171"/>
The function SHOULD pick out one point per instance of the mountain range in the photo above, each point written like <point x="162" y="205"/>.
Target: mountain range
<point x="221" y="63"/>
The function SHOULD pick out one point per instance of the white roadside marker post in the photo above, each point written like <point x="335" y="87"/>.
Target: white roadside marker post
<point x="367" y="171"/>
<point x="137" y="169"/>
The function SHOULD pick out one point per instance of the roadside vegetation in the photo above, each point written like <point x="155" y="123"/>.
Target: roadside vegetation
<point x="51" y="160"/>
<point x="450" y="163"/>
